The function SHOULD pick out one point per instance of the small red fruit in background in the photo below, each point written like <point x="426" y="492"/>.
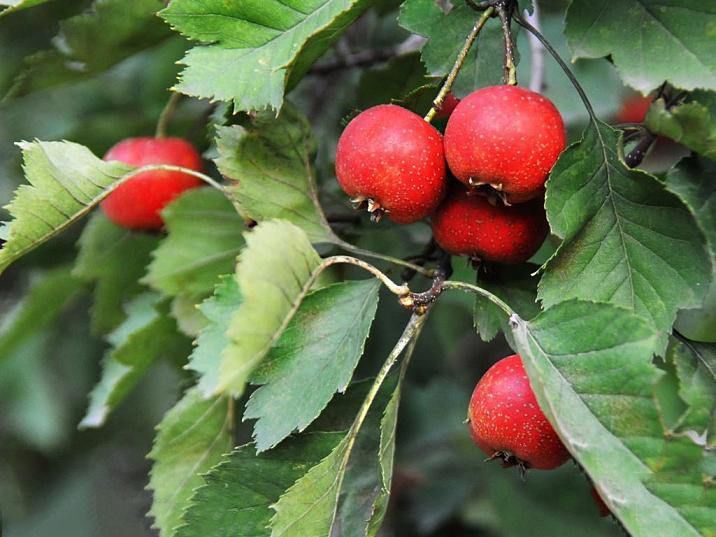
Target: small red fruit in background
<point x="507" y="137"/>
<point x="633" y="109"/>
<point x="469" y="224"/>
<point x="448" y="106"/>
<point x="507" y="423"/>
<point x="390" y="158"/>
<point x="137" y="203"/>
<point x="603" y="509"/>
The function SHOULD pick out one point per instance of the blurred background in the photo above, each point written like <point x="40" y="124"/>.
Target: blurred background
<point x="58" y="481"/>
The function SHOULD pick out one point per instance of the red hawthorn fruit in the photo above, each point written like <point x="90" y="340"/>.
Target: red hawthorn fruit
<point x="137" y="203"/>
<point x="448" y="106"/>
<point x="469" y="224"/>
<point x="393" y="160"/>
<point x="507" y="137"/>
<point x="633" y="109"/>
<point x="507" y="423"/>
<point x="603" y="509"/>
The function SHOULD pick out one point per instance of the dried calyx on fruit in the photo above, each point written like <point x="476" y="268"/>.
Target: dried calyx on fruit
<point x="485" y="229"/>
<point x="392" y="161"/>
<point x="506" y="421"/>
<point x="506" y="137"/>
<point x="138" y="202"/>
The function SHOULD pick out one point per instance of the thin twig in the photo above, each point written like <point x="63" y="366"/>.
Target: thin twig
<point x="171" y="168"/>
<point x="167" y="114"/>
<point x="636" y="155"/>
<point x="537" y="50"/>
<point x="463" y="286"/>
<point x="366" y="58"/>
<point x="398" y="290"/>
<point x="461" y="57"/>
<point x="510" y="70"/>
<point x="428" y="273"/>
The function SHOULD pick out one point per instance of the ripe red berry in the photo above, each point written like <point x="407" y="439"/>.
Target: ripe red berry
<point x="469" y="224"/>
<point x="392" y="159"/>
<point x="507" y="137"/>
<point x="507" y="423"/>
<point x="633" y="109"/>
<point x="448" y="106"/>
<point x="136" y="203"/>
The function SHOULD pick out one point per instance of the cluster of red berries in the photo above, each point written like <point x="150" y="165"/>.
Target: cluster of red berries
<point x="500" y="144"/>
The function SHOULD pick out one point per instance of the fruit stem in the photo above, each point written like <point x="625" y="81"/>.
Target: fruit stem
<point x="510" y="71"/>
<point x="464" y="286"/>
<point x="171" y="168"/>
<point x="567" y="71"/>
<point x="461" y="57"/>
<point x="398" y="290"/>
<point x="428" y="273"/>
<point x="167" y="114"/>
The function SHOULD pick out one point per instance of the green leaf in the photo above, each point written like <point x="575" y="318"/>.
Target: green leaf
<point x="114" y="259"/>
<point x="649" y="40"/>
<point x="275" y="272"/>
<point x="318" y="351"/>
<point x="147" y="334"/>
<point x="342" y="491"/>
<point x="47" y="297"/>
<point x="191" y="439"/>
<point x="218" y="310"/>
<point x="590" y="367"/>
<point x="270" y="162"/>
<point x="626" y="240"/>
<point x="446" y="34"/>
<point x="517" y="287"/>
<point x="203" y="241"/>
<point x="236" y="496"/>
<point x="66" y="181"/>
<point x="92" y="42"/>
<point x="692" y="123"/>
<point x="17" y="5"/>
<point x="254" y="50"/>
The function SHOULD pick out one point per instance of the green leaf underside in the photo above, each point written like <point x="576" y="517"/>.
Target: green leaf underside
<point x="114" y="259"/>
<point x="48" y="295"/>
<point x="317" y="352"/>
<point x="254" y="49"/>
<point x="212" y="340"/>
<point x="236" y="496"/>
<point x="626" y="240"/>
<point x="514" y="285"/>
<point x="146" y="334"/>
<point x="649" y="40"/>
<point x="275" y="272"/>
<point x="270" y="161"/>
<point x="191" y="439"/>
<point x="692" y="124"/>
<point x="203" y="241"/>
<point x="590" y="366"/>
<point x="345" y="490"/>
<point x="92" y="42"/>
<point x="446" y="34"/>
<point x="66" y="181"/>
